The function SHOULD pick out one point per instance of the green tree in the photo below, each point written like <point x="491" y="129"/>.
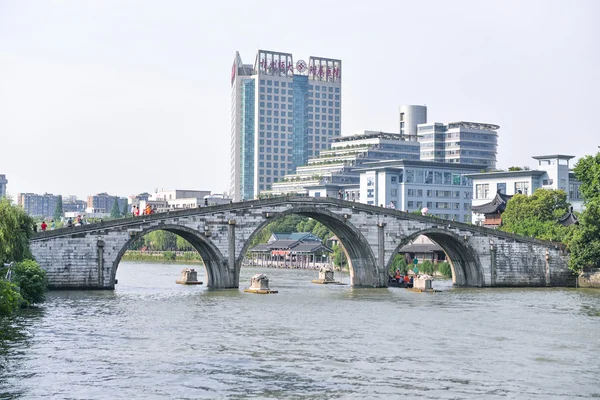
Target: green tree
<point x="125" y="211"/>
<point x="31" y="280"/>
<point x="10" y="299"/>
<point x="115" y="212"/>
<point x="15" y="231"/>
<point x="537" y="215"/>
<point x="339" y="256"/>
<point x="515" y="169"/>
<point x="58" y="211"/>
<point x="287" y="224"/>
<point x="161" y="241"/>
<point x="587" y="171"/>
<point x="585" y="242"/>
<point x="445" y="269"/>
<point x="426" y="267"/>
<point x="183" y="245"/>
<point x="399" y="263"/>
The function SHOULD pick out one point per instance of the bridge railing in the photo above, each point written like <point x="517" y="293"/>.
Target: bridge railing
<point x="273" y="201"/>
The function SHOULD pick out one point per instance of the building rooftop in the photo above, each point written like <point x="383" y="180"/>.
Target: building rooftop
<point x="559" y="156"/>
<point x="392" y="164"/>
<point x="474" y="125"/>
<point x="374" y="134"/>
<point x="506" y="174"/>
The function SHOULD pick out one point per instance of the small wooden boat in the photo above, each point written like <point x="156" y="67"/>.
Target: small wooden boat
<point x="393" y="283"/>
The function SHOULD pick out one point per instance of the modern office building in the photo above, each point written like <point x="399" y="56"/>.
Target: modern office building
<point x="3" y="183"/>
<point x="38" y="205"/>
<point x="459" y="142"/>
<point x="333" y="169"/>
<point x="410" y="117"/>
<point x="103" y="203"/>
<point x="444" y="189"/>
<point x="490" y="188"/>
<point x="282" y="113"/>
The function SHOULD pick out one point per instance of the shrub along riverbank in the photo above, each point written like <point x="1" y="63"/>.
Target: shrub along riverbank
<point x="178" y="257"/>
<point x="23" y="283"/>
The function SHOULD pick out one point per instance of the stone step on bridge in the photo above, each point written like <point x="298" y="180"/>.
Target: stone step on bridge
<point x="87" y="257"/>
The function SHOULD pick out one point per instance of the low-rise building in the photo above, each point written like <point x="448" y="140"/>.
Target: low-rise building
<point x="71" y="204"/>
<point x="490" y="188"/>
<point x="179" y="194"/>
<point x="290" y="250"/>
<point x="179" y="200"/>
<point x="103" y="202"/>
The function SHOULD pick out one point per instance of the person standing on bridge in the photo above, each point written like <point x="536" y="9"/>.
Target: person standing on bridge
<point x="43" y="226"/>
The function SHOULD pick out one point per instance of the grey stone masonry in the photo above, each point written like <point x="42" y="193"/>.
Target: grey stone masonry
<point x="87" y="257"/>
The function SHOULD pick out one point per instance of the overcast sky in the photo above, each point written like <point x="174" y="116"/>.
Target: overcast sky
<point x="130" y="96"/>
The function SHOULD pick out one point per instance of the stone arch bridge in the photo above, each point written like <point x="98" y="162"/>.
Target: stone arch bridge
<point x="87" y="257"/>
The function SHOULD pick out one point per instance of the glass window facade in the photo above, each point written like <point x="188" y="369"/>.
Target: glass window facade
<point x="247" y="139"/>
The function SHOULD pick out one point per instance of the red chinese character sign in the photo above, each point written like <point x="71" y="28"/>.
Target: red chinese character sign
<point x="275" y="64"/>
<point x="325" y="69"/>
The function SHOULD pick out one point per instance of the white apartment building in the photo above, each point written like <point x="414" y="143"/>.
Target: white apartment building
<point x="552" y="172"/>
<point x="459" y="142"/>
<point x="409" y="185"/>
<point x="282" y="113"/>
<point x="178" y="194"/>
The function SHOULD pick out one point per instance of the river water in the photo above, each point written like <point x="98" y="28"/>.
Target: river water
<point x="153" y="339"/>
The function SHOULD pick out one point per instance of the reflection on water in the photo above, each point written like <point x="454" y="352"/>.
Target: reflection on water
<point x="151" y="338"/>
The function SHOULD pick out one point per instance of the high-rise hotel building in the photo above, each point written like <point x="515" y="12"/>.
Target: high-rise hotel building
<point x="282" y="113"/>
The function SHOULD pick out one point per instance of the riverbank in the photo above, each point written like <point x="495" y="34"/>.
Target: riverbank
<point x="589" y="278"/>
<point x="178" y="257"/>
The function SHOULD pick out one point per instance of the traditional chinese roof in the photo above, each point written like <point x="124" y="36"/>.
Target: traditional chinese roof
<point x="301" y="242"/>
<point x="569" y="218"/>
<point x="497" y="205"/>
<point x="296" y="236"/>
<point x="292" y="246"/>
<point x="420" y="248"/>
<point x="310" y="248"/>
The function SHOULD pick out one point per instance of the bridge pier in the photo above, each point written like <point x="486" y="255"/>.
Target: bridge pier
<point x="100" y="245"/>
<point x="234" y="275"/>
<point x="381" y="270"/>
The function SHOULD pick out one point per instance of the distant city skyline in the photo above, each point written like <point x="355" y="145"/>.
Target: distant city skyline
<point x="112" y="97"/>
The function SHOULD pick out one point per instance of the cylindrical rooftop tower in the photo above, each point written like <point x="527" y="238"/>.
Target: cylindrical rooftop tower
<point x="410" y="117"/>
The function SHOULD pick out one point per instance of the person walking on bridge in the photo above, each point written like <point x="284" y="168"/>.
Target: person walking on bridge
<point x="43" y="226"/>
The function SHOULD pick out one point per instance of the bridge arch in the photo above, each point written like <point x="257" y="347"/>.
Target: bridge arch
<point x="463" y="259"/>
<point x="214" y="262"/>
<point x="361" y="261"/>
